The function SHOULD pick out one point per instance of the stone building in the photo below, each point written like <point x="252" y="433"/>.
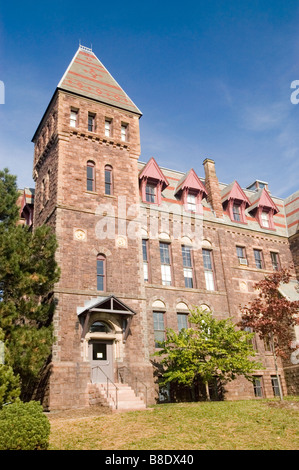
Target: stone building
<point x="139" y="245"/>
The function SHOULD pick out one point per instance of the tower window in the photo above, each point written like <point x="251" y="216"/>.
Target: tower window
<point x="124" y="132"/>
<point x="108" y="180"/>
<point x="90" y="176"/>
<point x="208" y="269"/>
<point x="108" y="127"/>
<point x="101" y="272"/>
<point x="74" y="118"/>
<point x="91" y="122"/>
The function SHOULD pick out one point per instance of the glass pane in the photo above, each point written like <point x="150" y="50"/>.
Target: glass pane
<point x="207" y="261"/>
<point x="89" y="185"/>
<point x="99" y="327"/>
<point x="188" y="275"/>
<point x="145" y="271"/>
<point x="166" y="275"/>
<point x="144" y="250"/>
<point x="240" y="252"/>
<point x="99" y="352"/>
<point x="89" y="172"/>
<point x="186" y="252"/>
<point x="158" y="320"/>
<point x="100" y="267"/>
<point x="209" y="280"/>
<point x="182" y="321"/>
<point x="164" y="253"/>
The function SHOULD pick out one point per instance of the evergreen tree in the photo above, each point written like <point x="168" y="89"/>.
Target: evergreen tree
<point x="28" y="271"/>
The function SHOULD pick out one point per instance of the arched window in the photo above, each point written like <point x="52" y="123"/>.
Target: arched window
<point x="90" y="176"/>
<point x="108" y="180"/>
<point x="101" y="272"/>
<point x="99" y="327"/>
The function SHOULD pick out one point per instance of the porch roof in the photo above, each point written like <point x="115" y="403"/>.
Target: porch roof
<point x="108" y="304"/>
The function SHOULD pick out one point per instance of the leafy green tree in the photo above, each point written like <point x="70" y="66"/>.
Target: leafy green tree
<point x="209" y="348"/>
<point x="28" y="271"/>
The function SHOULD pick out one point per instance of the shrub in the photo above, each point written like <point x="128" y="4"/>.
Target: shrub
<point x="23" y="426"/>
<point x="9" y="385"/>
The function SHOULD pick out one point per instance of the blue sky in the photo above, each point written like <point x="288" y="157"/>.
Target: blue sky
<point x="212" y="79"/>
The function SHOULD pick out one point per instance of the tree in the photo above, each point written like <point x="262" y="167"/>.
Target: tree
<point x="272" y="316"/>
<point x="28" y="271"/>
<point x="209" y="348"/>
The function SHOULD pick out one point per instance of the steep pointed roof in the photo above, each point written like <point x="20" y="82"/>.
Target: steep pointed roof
<point x="190" y="181"/>
<point x="234" y="191"/>
<point x="262" y="199"/>
<point x="87" y="76"/>
<point x="152" y="170"/>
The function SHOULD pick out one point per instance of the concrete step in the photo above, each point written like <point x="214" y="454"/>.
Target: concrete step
<point x="126" y="398"/>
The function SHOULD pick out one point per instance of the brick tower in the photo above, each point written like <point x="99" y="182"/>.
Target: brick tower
<point x="85" y="169"/>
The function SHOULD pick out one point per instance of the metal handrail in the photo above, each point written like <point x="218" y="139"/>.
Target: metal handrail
<point x="135" y="378"/>
<point x="108" y="380"/>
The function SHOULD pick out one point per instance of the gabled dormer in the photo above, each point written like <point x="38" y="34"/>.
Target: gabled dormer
<point x="263" y="208"/>
<point x="235" y="201"/>
<point x="191" y="191"/>
<point x="152" y="183"/>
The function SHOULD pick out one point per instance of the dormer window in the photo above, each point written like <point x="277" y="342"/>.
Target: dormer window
<point x="152" y="183"/>
<point x="150" y="193"/>
<point x="191" y="191"/>
<point x="263" y="208"/>
<point x="235" y="202"/>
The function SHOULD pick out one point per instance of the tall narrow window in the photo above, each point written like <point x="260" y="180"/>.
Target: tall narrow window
<point x="90" y="176"/>
<point x="258" y="386"/>
<point x="124" y="132"/>
<point x="145" y="260"/>
<point x="265" y="219"/>
<point x="73" y="118"/>
<point x="187" y="265"/>
<point x="165" y="264"/>
<point x="101" y="272"/>
<point x="237" y="212"/>
<point x="241" y="254"/>
<point x="159" y="328"/>
<point x="275" y="385"/>
<point x="275" y="261"/>
<point x="258" y="256"/>
<point x="91" y="122"/>
<point x="182" y="321"/>
<point x="208" y="269"/>
<point x="108" y="180"/>
<point x="150" y="193"/>
<point x="108" y="127"/>
<point x="191" y="202"/>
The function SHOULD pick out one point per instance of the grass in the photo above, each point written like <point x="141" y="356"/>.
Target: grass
<point x="241" y="425"/>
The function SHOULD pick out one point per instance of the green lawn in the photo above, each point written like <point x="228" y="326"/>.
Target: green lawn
<point x="252" y="425"/>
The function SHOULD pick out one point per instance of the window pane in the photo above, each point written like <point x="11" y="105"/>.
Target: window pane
<point x="144" y="250"/>
<point x="145" y="271"/>
<point x="108" y="182"/>
<point x="182" y="321"/>
<point x="188" y="275"/>
<point x="207" y="261"/>
<point x="166" y="275"/>
<point x="186" y="252"/>
<point x="275" y="386"/>
<point x="257" y="385"/>
<point x="275" y="261"/>
<point x="164" y="253"/>
<point x="150" y="193"/>
<point x="265" y="219"/>
<point x="209" y="280"/>
<point x="99" y="351"/>
<point x="236" y="212"/>
<point x="158" y="327"/>
<point x="191" y="202"/>
<point x="240" y="252"/>
<point x="258" y="259"/>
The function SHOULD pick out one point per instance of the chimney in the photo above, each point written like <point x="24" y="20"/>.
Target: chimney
<point x="212" y="187"/>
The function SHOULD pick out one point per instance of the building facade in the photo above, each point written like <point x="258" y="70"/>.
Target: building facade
<point x="140" y="245"/>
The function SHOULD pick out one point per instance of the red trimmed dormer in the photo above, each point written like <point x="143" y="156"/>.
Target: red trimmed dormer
<point x="152" y="183"/>
<point x="235" y="201"/>
<point x="263" y="208"/>
<point x="191" y="191"/>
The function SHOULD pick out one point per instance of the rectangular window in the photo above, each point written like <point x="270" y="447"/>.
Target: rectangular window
<point x="159" y="329"/>
<point x="275" y="261"/>
<point x="90" y="182"/>
<point x="150" y="193"/>
<point x="187" y="266"/>
<point x="124" y="132"/>
<point x="241" y="254"/>
<point x="237" y="212"/>
<point x="108" y="127"/>
<point x="73" y="118"/>
<point x="258" y="387"/>
<point x="208" y="269"/>
<point x="165" y="264"/>
<point x="91" y="122"/>
<point x="265" y="219"/>
<point x="191" y="202"/>
<point x="275" y="385"/>
<point x="182" y="321"/>
<point x="258" y="256"/>
<point x="108" y="180"/>
<point x="145" y="259"/>
<point x="100" y="273"/>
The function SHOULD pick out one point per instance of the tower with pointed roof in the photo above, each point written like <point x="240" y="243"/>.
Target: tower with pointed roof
<point x="85" y="169"/>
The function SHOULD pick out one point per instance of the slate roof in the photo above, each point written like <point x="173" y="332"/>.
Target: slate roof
<point x="87" y="76"/>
